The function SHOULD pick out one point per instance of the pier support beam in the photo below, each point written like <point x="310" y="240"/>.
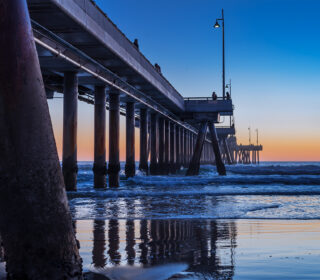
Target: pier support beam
<point x="130" y="167"/>
<point x="227" y="151"/>
<point x="195" y="161"/>
<point x="143" y="166"/>
<point x="216" y="149"/>
<point x="161" y="146"/>
<point x="114" y="131"/>
<point x="154" y="144"/>
<point x="70" y="115"/>
<point x="35" y="222"/>
<point x="172" y="148"/>
<point x="167" y="146"/>
<point x="99" y="165"/>
<point x="178" y="148"/>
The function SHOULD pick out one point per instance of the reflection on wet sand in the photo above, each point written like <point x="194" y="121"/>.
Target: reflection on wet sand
<point x="207" y="247"/>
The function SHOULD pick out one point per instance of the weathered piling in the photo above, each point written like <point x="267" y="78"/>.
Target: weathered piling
<point x="154" y="144"/>
<point x="35" y="222"/>
<point x="161" y="146"/>
<point x="99" y="165"/>
<point x="130" y="167"/>
<point x="143" y="165"/>
<point x="167" y="147"/>
<point x="216" y="149"/>
<point x="227" y="151"/>
<point x="178" y="148"/>
<point x="172" y="148"/>
<point x="70" y="116"/>
<point x="194" y="165"/>
<point x="114" y="126"/>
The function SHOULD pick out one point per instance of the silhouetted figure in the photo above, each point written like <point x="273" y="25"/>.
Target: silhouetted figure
<point x="214" y="96"/>
<point x="228" y="96"/>
<point x="158" y="68"/>
<point x="136" y="43"/>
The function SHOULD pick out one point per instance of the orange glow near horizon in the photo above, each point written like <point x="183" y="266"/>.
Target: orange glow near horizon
<point x="277" y="146"/>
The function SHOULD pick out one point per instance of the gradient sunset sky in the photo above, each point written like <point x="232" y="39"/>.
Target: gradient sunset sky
<point x="272" y="57"/>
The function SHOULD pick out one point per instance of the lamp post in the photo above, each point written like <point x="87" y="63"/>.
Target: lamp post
<point x="228" y="86"/>
<point x="257" y="131"/>
<point x="217" y="25"/>
<point x="249" y="128"/>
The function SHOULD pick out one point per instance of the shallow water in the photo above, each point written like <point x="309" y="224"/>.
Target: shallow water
<point x="267" y="191"/>
<point x="258" y="222"/>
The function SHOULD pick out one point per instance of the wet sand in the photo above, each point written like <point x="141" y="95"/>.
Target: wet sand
<point x="201" y="249"/>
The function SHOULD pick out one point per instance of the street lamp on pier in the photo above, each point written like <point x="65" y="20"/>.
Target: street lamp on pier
<point x="228" y="86"/>
<point x="217" y="25"/>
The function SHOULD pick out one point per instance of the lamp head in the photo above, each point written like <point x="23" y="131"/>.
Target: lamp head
<point x="217" y="25"/>
<point x="227" y="86"/>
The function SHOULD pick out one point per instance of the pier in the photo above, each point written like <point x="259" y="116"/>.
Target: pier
<point x="83" y="55"/>
<point x="73" y="48"/>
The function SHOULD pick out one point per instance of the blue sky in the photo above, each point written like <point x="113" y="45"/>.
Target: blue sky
<point x="272" y="57"/>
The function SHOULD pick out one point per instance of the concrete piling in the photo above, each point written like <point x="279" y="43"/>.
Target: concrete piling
<point x="99" y="165"/>
<point x="70" y="116"/>
<point x="194" y="165"/>
<point x="154" y="144"/>
<point x="167" y="147"/>
<point x="143" y="165"/>
<point x="35" y="222"/>
<point x="216" y="149"/>
<point x="161" y="146"/>
<point x="178" y="148"/>
<point x="114" y="131"/>
<point x="173" y="147"/>
<point x="130" y="167"/>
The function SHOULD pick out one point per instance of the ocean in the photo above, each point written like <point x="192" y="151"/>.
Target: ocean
<point x="258" y="222"/>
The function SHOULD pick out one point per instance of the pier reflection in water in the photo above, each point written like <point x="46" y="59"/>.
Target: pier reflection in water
<point x="205" y="246"/>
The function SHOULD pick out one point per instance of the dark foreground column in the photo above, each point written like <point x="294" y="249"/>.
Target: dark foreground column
<point x="216" y="149"/>
<point x="130" y="168"/>
<point x="70" y="115"/>
<point x="143" y="166"/>
<point x="99" y="166"/>
<point x="167" y="147"/>
<point x="114" y="126"/>
<point x="154" y="144"/>
<point x="172" y="148"/>
<point x="35" y="222"/>
<point x="195" y="161"/>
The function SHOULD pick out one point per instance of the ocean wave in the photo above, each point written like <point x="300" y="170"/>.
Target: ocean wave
<point x="141" y="193"/>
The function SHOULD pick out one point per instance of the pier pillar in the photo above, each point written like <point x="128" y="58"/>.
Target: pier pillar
<point x="130" y="167"/>
<point x="143" y="165"/>
<point x="258" y="157"/>
<point x="195" y="161"/>
<point x="154" y="144"/>
<point x="184" y="137"/>
<point x="161" y="146"/>
<point x="114" y="131"/>
<point x="172" y="148"/>
<point x="227" y="151"/>
<point x="35" y="222"/>
<point x="167" y="147"/>
<point x="70" y="115"/>
<point x="216" y="149"/>
<point x="99" y="165"/>
<point x="178" y="148"/>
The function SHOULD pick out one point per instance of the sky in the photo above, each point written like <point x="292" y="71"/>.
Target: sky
<point x="272" y="57"/>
